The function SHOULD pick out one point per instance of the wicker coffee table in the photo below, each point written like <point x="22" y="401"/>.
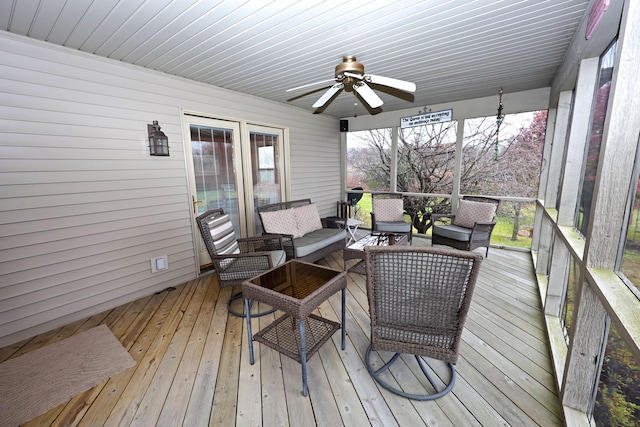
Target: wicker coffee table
<point x="297" y="288"/>
<point x="356" y="250"/>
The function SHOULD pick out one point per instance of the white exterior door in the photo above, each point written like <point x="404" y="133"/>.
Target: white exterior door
<point x="235" y="167"/>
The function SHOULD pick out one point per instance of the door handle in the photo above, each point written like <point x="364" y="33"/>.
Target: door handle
<point x="195" y="202"/>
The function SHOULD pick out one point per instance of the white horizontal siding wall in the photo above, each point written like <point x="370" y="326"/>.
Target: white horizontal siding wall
<point x="84" y="207"/>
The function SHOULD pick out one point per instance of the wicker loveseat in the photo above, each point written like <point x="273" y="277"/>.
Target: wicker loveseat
<point x="312" y="239"/>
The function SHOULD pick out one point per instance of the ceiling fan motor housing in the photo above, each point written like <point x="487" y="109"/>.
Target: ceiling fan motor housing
<point x="350" y="65"/>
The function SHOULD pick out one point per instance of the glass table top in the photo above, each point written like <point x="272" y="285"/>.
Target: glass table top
<point x="375" y="239"/>
<point x="296" y="279"/>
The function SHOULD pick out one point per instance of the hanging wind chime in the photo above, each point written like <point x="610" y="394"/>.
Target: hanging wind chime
<point x="499" y="119"/>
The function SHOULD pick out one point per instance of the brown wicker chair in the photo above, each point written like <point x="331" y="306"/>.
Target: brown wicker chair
<point x="236" y="260"/>
<point x="388" y="216"/>
<point x="418" y="303"/>
<point x="470" y="228"/>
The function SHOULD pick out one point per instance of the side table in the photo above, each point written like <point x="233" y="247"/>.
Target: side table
<point x="351" y="225"/>
<point x="297" y="288"/>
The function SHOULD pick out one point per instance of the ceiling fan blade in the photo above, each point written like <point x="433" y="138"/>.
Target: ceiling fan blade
<point x="328" y="95"/>
<point x="368" y="95"/>
<point x="310" y="84"/>
<point x="388" y="81"/>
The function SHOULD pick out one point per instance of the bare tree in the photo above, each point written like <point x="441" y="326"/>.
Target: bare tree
<point x="518" y="170"/>
<point x="426" y="163"/>
<point x="426" y="156"/>
<point x="370" y="162"/>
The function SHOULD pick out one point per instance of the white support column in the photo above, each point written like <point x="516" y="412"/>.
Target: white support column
<point x="572" y="172"/>
<point x="553" y="164"/>
<point x="344" y="168"/>
<point x="561" y="130"/>
<point x="552" y="114"/>
<point x="581" y="371"/>
<point x="557" y="283"/>
<point x="577" y="141"/>
<point x="393" y="179"/>
<point x="550" y="137"/>
<point x="544" y="247"/>
<point x="618" y="148"/>
<point x="457" y="167"/>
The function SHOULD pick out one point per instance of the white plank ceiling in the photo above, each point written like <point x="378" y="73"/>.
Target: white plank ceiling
<point x="451" y="49"/>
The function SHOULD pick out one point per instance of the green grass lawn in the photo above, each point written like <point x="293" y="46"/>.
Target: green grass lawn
<point x="502" y="235"/>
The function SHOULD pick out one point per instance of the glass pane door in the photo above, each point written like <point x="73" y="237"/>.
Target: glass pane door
<point x="266" y="168"/>
<point x="215" y="149"/>
<point x="234" y="167"/>
<point x="216" y="184"/>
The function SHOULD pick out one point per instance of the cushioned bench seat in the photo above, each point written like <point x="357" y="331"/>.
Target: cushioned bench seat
<point x="316" y="241"/>
<point x="300" y="219"/>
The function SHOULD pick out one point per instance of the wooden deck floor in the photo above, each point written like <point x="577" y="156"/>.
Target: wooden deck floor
<point x="193" y="366"/>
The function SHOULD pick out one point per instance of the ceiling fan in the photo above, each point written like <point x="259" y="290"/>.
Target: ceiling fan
<point x="350" y="76"/>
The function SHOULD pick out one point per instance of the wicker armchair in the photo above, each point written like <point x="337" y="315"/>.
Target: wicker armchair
<point x="388" y="216"/>
<point x="236" y="260"/>
<point x="470" y="227"/>
<point x="418" y="303"/>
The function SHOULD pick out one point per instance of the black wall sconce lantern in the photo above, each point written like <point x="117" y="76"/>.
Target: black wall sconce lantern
<point x="158" y="141"/>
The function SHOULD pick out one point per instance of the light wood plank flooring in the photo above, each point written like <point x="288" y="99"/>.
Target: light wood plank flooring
<point x="193" y="364"/>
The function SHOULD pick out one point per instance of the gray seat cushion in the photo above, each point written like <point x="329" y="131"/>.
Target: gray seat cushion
<point x="452" y="232"/>
<point x="316" y="240"/>
<point x="393" y="227"/>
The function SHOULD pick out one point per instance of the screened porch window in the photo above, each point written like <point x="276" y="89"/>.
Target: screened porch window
<point x="630" y="257"/>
